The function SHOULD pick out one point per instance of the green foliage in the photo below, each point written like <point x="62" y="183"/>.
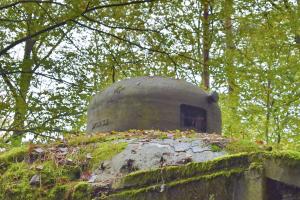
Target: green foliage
<point x="253" y="61"/>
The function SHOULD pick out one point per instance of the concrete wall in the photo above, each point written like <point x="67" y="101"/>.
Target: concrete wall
<point x="234" y="178"/>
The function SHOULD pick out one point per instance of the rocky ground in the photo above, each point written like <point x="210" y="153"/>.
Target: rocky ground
<point x="145" y="154"/>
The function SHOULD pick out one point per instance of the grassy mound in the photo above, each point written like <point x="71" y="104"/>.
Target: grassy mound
<point x="54" y="171"/>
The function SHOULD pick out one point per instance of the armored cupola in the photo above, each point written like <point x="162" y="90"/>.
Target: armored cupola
<point x="154" y="103"/>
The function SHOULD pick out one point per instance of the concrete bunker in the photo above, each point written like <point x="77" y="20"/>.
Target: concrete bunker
<point x="243" y="176"/>
<point x="154" y="103"/>
<point x="276" y="190"/>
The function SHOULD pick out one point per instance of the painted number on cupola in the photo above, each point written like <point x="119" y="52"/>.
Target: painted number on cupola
<point x="101" y="123"/>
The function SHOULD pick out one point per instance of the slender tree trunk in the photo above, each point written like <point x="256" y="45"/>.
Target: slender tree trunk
<point x="21" y="106"/>
<point x="268" y="114"/>
<point x="197" y="27"/>
<point x="297" y="35"/>
<point x="278" y="137"/>
<point x="232" y="100"/>
<point x="229" y="64"/>
<point x="206" y="45"/>
<point x="113" y="76"/>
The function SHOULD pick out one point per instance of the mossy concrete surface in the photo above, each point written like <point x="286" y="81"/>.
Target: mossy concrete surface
<point x="235" y="177"/>
<point x="62" y="170"/>
<point x="202" y="187"/>
<point x="144" y="178"/>
<point x="283" y="167"/>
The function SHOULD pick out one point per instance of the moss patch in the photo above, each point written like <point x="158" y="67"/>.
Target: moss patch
<point x="289" y="158"/>
<point x="13" y="155"/>
<point x="106" y="151"/>
<point x="14" y="183"/>
<point x="88" y="139"/>
<point x="61" y="170"/>
<point x="239" y="146"/>
<point x="215" y="148"/>
<point x="82" y="191"/>
<point x="60" y="192"/>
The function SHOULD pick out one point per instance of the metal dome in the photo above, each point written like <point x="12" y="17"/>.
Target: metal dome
<point x="154" y="103"/>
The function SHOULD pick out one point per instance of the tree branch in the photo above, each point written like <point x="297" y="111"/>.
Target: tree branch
<point x="62" y="23"/>
<point x="117" y="5"/>
<point x="15" y="43"/>
<point x="119" y="27"/>
<point x="29" y="1"/>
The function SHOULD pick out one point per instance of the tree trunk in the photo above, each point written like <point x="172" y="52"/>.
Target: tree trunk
<point x="232" y="101"/>
<point x="229" y="51"/>
<point x="113" y="76"/>
<point x="21" y="106"/>
<point x="206" y="45"/>
<point x="268" y="114"/>
<point x="297" y="35"/>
